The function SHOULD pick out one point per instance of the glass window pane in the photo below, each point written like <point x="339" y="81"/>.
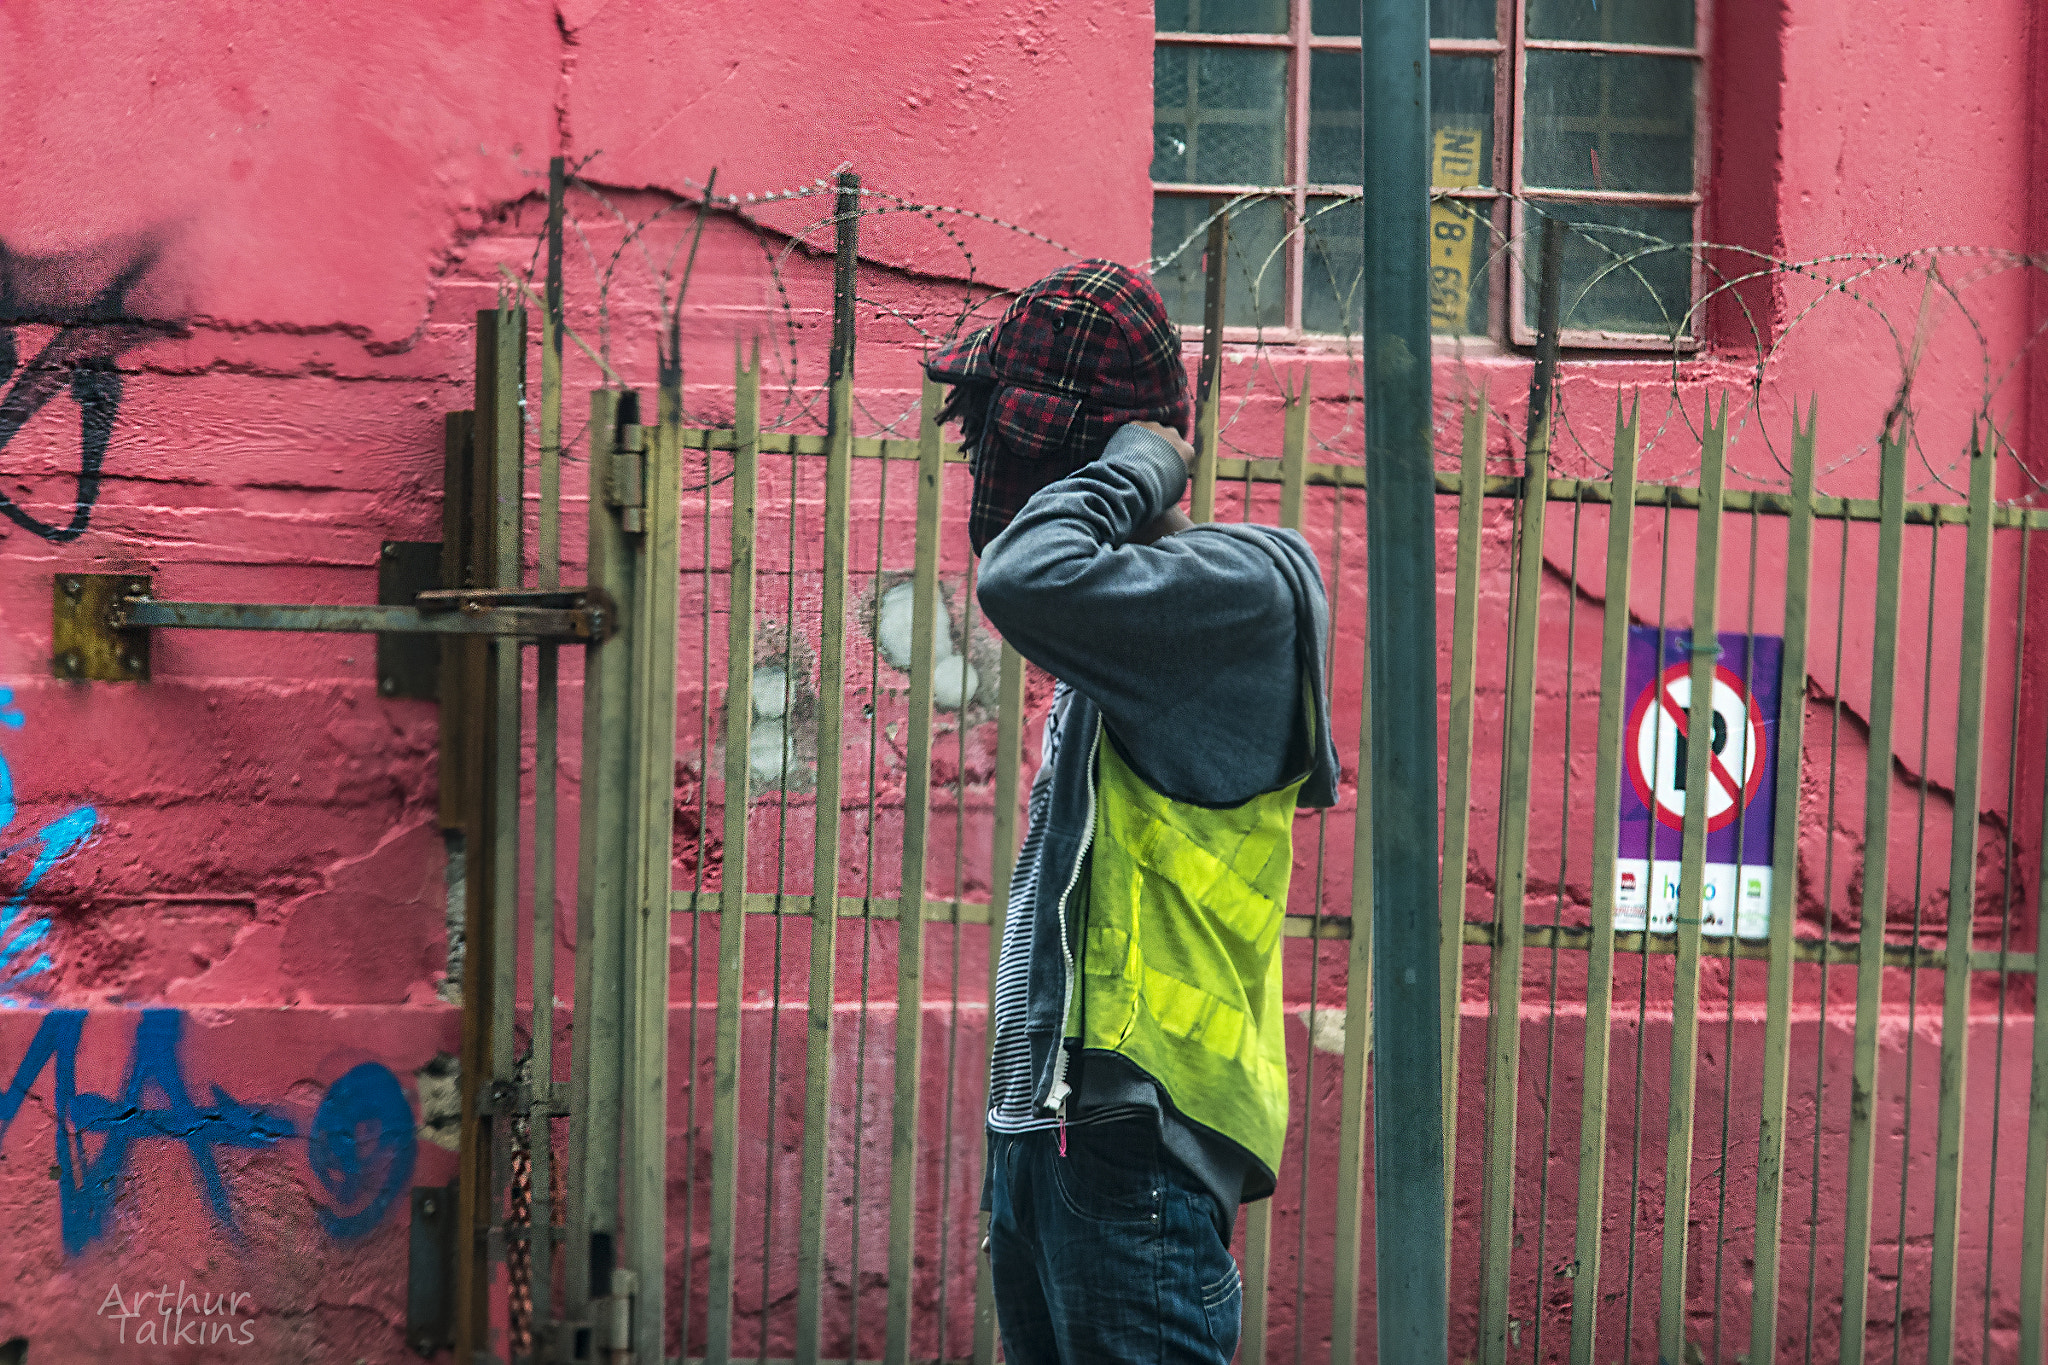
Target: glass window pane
<point x="1598" y="121"/>
<point x="1219" y="115"/>
<point x="1334" y="18"/>
<point x="1627" y="268"/>
<point x="1447" y="18"/>
<point x="1660" y="23"/>
<point x="1460" y="251"/>
<point x="1332" y="268"/>
<point x="1461" y="248"/>
<point x="1222" y="16"/>
<point x="1461" y="96"/>
<point x="1255" y="281"/>
<point x="1177" y="242"/>
<point x="1171" y="96"/>
<point x="1336" y="90"/>
<point x="1461" y="121"/>
<point x="1255" y="288"/>
<point x="1459" y="18"/>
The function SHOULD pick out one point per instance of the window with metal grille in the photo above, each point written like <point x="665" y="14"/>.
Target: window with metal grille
<point x="1588" y="110"/>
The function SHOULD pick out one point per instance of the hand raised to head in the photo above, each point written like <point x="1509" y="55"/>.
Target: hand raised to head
<point x="1172" y="438"/>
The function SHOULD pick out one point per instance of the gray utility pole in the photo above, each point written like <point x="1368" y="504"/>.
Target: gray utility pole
<point x="1408" y="1111"/>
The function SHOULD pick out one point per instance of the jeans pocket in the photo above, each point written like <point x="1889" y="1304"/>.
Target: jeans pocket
<point x="1223" y="1306"/>
<point x="1104" y="1181"/>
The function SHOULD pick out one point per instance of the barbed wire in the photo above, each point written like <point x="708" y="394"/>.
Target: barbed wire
<point x="1740" y="326"/>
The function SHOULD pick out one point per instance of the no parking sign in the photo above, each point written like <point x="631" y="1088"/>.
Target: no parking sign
<point x="1740" y="792"/>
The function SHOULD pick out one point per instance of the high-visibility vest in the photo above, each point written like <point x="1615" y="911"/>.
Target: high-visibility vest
<point x="1181" y="952"/>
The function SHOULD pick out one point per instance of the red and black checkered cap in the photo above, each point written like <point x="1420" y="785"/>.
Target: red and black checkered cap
<point x="1078" y="355"/>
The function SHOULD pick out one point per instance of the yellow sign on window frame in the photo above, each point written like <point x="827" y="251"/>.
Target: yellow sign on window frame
<point x="1453" y="227"/>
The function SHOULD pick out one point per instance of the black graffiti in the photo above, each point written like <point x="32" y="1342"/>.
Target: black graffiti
<point x="97" y="300"/>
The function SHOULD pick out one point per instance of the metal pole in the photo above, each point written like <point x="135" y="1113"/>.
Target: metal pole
<point x="1408" y="1116"/>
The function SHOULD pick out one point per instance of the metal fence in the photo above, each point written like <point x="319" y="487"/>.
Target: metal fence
<point x="798" y="824"/>
<point x="1795" y="1201"/>
<point x="1651" y="1021"/>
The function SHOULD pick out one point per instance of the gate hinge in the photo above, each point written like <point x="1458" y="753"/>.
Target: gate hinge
<point x="517" y="1099"/>
<point x="617" y="1317"/>
<point x="626" y="487"/>
<point x="430" y="1276"/>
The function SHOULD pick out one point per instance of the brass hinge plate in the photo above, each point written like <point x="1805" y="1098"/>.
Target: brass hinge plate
<point x="85" y="645"/>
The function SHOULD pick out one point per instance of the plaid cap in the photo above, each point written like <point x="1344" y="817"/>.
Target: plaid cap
<point x="1078" y="355"/>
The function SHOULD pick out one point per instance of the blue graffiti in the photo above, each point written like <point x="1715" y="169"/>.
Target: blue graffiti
<point x="361" y="1148"/>
<point x="154" y="1071"/>
<point x="20" y="947"/>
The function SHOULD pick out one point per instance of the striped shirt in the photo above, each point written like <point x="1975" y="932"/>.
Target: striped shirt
<point x="1009" y="1070"/>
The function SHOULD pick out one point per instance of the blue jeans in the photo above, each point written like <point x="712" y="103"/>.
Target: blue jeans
<point x="1111" y="1253"/>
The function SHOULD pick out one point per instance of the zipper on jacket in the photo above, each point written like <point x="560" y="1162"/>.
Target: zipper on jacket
<point x="1056" y="1094"/>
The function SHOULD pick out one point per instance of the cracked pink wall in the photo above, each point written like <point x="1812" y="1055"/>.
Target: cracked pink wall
<point x="298" y="195"/>
<point x="317" y="198"/>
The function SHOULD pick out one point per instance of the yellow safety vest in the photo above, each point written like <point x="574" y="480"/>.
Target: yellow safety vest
<point x="1181" y="955"/>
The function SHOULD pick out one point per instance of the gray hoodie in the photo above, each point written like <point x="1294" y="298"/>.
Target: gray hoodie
<point x="1189" y="655"/>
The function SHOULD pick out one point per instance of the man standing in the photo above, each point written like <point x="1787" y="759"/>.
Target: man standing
<point x="1138" y="1082"/>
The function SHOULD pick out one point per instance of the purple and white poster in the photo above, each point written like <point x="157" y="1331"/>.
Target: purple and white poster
<point x="1735" y="896"/>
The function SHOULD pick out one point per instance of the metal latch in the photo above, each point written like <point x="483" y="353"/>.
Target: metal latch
<point x="100" y="622"/>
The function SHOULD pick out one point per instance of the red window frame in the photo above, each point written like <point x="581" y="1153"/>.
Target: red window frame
<point x="1506" y="211"/>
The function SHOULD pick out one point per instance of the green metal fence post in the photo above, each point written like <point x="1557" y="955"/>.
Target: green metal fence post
<point x="592" y="1172"/>
<point x="1607" y="780"/>
<point x="2034" y="1193"/>
<point x="1357" y="1057"/>
<point x="1685" y="991"/>
<point x="732" y="885"/>
<point x="540" y="1091"/>
<point x="1770" y="1161"/>
<point x="1511" y="879"/>
<point x="1877" y="796"/>
<point x="1408" y="1148"/>
<point x="831" y="761"/>
<point x="650" y="816"/>
<point x="1962" y="904"/>
<point x="1457" y="830"/>
<point x="910" y="922"/>
<point x="1002" y="865"/>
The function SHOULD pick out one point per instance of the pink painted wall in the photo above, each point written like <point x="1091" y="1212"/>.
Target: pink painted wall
<point x="310" y="206"/>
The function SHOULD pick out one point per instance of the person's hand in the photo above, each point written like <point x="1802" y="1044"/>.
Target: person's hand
<point x="1172" y="438"/>
<point x="1172" y="521"/>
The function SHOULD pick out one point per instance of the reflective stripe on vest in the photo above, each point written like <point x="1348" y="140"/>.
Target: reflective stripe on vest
<point x="1181" y="958"/>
